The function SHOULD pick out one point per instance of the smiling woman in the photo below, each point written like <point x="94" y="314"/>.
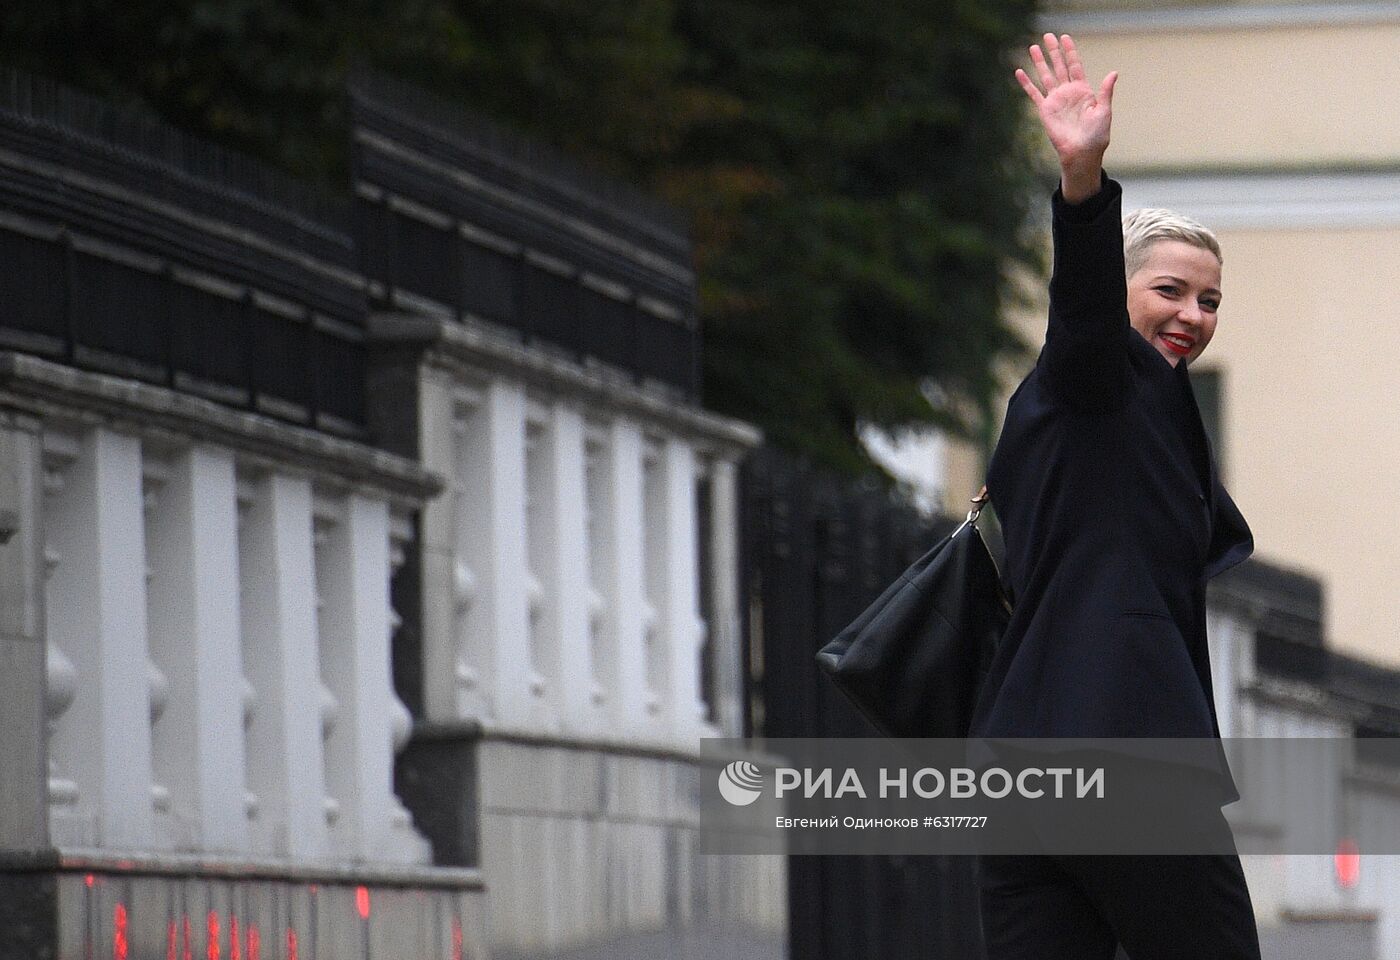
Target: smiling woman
<point x="1114" y="518"/>
<point x="1173" y="268"/>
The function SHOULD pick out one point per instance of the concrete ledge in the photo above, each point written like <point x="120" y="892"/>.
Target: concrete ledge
<point x="147" y="864"/>
<point x="471" y="347"/>
<point x="53" y="389"/>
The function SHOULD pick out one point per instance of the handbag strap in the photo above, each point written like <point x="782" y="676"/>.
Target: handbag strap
<point x="977" y="503"/>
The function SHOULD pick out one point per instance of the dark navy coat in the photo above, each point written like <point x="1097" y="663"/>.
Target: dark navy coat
<point x="1113" y="517"/>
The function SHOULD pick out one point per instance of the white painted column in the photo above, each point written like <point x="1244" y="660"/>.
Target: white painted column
<point x="450" y="679"/>
<point x="285" y="763"/>
<point x="725" y="626"/>
<point x="459" y="657"/>
<point x="542" y="568"/>
<point x="195" y="640"/>
<point x="355" y="664"/>
<point x="625" y="581"/>
<point x="166" y="832"/>
<point x="572" y="586"/>
<point x="72" y="821"/>
<point x="600" y="575"/>
<point x="655" y="655"/>
<point x="503" y="590"/>
<point x="96" y="611"/>
<point x="682" y="628"/>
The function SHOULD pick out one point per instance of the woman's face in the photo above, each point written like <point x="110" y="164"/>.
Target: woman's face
<point x="1173" y="298"/>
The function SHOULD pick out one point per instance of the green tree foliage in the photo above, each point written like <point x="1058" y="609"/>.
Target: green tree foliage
<point x="855" y="175"/>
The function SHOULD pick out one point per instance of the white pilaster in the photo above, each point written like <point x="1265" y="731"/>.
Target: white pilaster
<point x="195" y="640"/>
<point x="459" y="657"/>
<point x="451" y="663"/>
<point x="96" y="610"/>
<point x="655" y="573"/>
<point x="279" y="635"/>
<point x="504" y="588"/>
<point x="354" y="578"/>
<point x="725" y="624"/>
<point x="625" y="581"/>
<point x="682" y="628"/>
<point x="601" y="570"/>
<point x="571" y="578"/>
<point x="542" y="567"/>
<point x="71" y="819"/>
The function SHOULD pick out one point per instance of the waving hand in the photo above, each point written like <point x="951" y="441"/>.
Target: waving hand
<point x="1076" y="117"/>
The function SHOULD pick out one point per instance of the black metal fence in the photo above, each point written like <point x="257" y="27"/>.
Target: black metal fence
<point x="135" y="249"/>
<point x="491" y="228"/>
<point x="816" y="552"/>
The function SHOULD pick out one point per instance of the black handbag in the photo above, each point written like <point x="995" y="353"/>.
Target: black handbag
<point x="914" y="660"/>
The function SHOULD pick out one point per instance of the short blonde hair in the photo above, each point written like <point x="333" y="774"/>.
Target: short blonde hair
<point x="1143" y="228"/>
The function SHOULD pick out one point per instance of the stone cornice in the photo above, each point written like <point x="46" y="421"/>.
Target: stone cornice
<point x="472" y="349"/>
<point x="61" y="392"/>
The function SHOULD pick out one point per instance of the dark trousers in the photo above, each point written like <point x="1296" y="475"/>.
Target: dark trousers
<point x="1158" y="907"/>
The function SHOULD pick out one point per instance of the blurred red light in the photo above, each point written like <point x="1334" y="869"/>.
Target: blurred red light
<point x="212" y="940"/>
<point x="119" y="946"/>
<point x="362" y="902"/>
<point x="254" y="942"/>
<point x="291" y="944"/>
<point x="1347" y="862"/>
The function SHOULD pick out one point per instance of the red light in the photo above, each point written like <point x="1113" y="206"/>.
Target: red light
<point x="362" y="902"/>
<point x="291" y="944"/>
<point x="170" y="936"/>
<point x="1347" y="862"/>
<point x="456" y="939"/>
<point x="254" y="942"/>
<point x="234" y="953"/>
<point x="89" y="880"/>
<point x="212" y="941"/>
<point x="119" y="933"/>
<point x="188" y="952"/>
<point x="314" y="889"/>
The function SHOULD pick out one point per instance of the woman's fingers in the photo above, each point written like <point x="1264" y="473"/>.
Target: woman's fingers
<point x="1106" y="89"/>
<point x="1057" y="59"/>
<point x="1047" y="79"/>
<point x="1031" y="89"/>
<point x="1072" y="61"/>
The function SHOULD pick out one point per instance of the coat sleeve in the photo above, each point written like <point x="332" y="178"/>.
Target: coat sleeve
<point x="1085" y="359"/>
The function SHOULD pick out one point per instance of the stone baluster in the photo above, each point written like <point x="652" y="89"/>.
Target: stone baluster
<point x="325" y="522"/>
<point x="656" y="548"/>
<point x="96" y="614"/>
<point x="69" y="825"/>
<point x="196" y="641"/>
<point x="599" y="550"/>
<point x="164" y="739"/>
<point x="683" y="629"/>
<point x="285" y="759"/>
<point x="623" y="580"/>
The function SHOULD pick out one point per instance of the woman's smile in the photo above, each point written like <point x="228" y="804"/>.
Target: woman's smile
<point x="1178" y="343"/>
<point x="1173" y="298"/>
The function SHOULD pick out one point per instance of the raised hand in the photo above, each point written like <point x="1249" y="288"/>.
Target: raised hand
<point x="1076" y="118"/>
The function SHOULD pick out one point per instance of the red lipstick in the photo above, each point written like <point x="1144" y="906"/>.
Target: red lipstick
<point x="1176" y="347"/>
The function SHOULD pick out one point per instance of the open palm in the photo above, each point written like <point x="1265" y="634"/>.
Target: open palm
<point x="1076" y="117"/>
